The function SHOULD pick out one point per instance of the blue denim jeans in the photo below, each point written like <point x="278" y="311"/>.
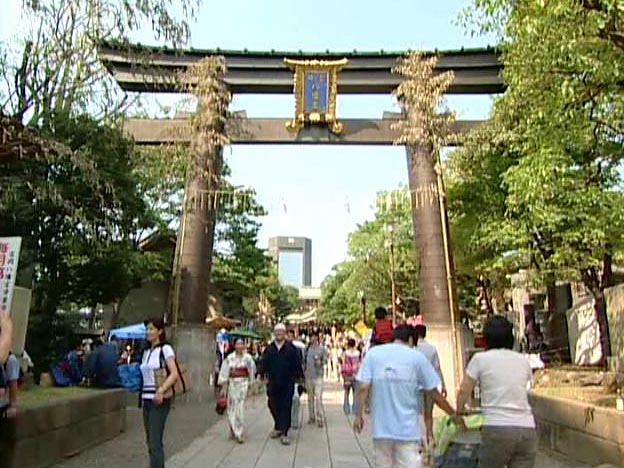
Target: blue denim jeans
<point x="154" y="418"/>
<point x="350" y="386"/>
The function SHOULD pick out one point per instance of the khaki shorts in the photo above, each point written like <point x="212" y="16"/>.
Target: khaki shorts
<point x="397" y="454"/>
<point x="507" y="446"/>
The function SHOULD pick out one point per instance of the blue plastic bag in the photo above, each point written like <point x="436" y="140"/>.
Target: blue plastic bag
<point x="60" y="374"/>
<point x="74" y="362"/>
<point x="130" y="377"/>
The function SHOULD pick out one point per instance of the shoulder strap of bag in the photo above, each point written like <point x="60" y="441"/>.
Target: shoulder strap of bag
<point x="181" y="378"/>
<point x="163" y="364"/>
<point x="140" y="396"/>
<point x="163" y="361"/>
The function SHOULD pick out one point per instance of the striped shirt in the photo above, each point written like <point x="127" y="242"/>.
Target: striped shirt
<point x="149" y="363"/>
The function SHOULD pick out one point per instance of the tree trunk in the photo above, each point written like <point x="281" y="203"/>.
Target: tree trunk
<point x="603" y="326"/>
<point x="198" y="237"/>
<point x="556" y="332"/>
<point x="92" y="316"/>
<point x="606" y="281"/>
<point x="596" y="286"/>
<point x="551" y="295"/>
<point x="116" y="310"/>
<point x="485" y="301"/>
<point x="427" y="220"/>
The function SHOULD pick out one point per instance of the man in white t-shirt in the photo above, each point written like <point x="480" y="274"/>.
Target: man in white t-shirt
<point x="509" y="437"/>
<point x="397" y="374"/>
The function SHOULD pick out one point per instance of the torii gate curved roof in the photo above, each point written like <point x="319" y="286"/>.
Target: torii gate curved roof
<point x="477" y="71"/>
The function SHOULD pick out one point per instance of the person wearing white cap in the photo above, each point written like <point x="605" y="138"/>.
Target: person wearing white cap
<point x="281" y="367"/>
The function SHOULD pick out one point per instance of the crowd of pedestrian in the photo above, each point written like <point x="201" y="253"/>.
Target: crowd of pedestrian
<point x="397" y="378"/>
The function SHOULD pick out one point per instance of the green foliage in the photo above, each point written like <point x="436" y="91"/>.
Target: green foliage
<point x="81" y="212"/>
<point x="53" y="67"/>
<point x="79" y="223"/>
<point x="283" y="300"/>
<point x="340" y="301"/>
<point x="160" y="175"/>
<point x="50" y="337"/>
<point x="550" y="195"/>
<point x="368" y="267"/>
<point x="477" y="211"/>
<point x="239" y="264"/>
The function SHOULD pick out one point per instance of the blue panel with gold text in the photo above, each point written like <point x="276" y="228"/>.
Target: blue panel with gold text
<point x="316" y="92"/>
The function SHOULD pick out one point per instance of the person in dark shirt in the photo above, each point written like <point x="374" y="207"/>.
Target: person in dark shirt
<point x="101" y="365"/>
<point x="281" y="367"/>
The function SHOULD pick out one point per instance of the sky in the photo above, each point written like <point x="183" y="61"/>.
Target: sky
<point x="320" y="192"/>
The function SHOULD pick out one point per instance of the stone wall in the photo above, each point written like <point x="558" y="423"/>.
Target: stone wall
<point x="42" y="436"/>
<point x="614" y="298"/>
<point x="584" y="334"/>
<point x="150" y="300"/>
<point x="442" y="337"/>
<point x="584" y="432"/>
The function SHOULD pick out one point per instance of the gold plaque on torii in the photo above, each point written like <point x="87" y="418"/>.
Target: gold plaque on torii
<point x="316" y="90"/>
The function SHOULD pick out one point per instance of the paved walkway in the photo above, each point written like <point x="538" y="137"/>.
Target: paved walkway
<point x="187" y="422"/>
<point x="334" y="446"/>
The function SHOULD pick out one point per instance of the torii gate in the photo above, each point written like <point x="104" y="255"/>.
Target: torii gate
<point x="476" y="71"/>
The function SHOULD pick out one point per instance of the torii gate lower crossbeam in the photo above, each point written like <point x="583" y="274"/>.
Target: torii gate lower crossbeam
<point x="259" y="131"/>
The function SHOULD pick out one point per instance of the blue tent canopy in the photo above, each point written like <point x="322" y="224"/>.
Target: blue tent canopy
<point x="137" y="331"/>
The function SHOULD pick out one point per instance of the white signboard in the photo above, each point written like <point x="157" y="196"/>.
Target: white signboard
<point x="9" y="255"/>
<point x="584" y="334"/>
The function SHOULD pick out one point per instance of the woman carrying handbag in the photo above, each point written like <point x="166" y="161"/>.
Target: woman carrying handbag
<point x="237" y="373"/>
<point x="160" y="373"/>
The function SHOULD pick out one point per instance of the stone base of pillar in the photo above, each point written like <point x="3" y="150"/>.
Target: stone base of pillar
<point x="195" y="348"/>
<point x="441" y="335"/>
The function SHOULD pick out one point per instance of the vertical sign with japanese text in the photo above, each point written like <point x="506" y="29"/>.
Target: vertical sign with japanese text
<point x="9" y="256"/>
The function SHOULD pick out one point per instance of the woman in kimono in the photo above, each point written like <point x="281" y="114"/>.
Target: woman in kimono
<point x="237" y="373"/>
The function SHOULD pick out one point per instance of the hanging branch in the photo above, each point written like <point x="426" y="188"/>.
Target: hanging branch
<point x="204" y="80"/>
<point x="421" y="97"/>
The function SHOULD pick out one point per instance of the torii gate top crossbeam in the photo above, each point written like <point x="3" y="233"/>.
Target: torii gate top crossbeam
<point x="154" y="69"/>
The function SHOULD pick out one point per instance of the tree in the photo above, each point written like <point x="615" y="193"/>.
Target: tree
<point x="562" y="120"/>
<point x="80" y="209"/>
<point x="368" y="267"/>
<point x="339" y="302"/>
<point x="239" y="264"/>
<point x="56" y="69"/>
<point x="78" y="212"/>
<point x="477" y="208"/>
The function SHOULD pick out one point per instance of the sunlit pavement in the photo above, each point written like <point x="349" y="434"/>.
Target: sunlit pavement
<point x="194" y="440"/>
<point x="334" y="445"/>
